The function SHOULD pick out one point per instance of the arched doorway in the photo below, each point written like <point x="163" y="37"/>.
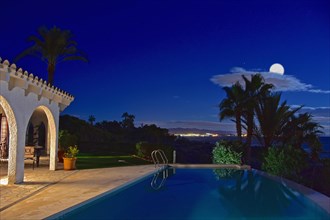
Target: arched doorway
<point x="41" y="133"/>
<point x="4" y="137"/>
<point x="11" y="140"/>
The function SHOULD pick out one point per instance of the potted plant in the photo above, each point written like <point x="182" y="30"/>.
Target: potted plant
<point x="70" y="157"/>
<point x="65" y="139"/>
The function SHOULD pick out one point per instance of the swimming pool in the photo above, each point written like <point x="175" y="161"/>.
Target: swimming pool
<point x="202" y="194"/>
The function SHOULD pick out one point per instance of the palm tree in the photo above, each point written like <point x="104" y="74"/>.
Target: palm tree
<point x="254" y="90"/>
<point x="53" y="46"/>
<point x="302" y="129"/>
<point x="272" y="117"/>
<point x="91" y="119"/>
<point x="232" y="106"/>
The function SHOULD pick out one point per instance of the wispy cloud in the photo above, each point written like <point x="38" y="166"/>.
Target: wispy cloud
<point x="281" y="82"/>
<point x="315" y="111"/>
<point x="309" y="108"/>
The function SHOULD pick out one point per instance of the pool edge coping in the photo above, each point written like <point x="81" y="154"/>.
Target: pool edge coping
<point x="62" y="213"/>
<point x="229" y="166"/>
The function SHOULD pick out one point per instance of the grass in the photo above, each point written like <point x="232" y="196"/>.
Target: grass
<point x="85" y="161"/>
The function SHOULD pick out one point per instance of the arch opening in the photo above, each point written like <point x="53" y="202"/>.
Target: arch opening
<point x="8" y="173"/>
<point x="41" y="133"/>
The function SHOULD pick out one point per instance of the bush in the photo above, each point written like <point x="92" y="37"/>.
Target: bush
<point x="286" y="162"/>
<point x="222" y="154"/>
<point x="193" y="152"/>
<point x="65" y="139"/>
<point x="325" y="177"/>
<point x="144" y="150"/>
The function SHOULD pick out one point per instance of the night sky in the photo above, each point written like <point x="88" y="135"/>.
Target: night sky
<point x="165" y="61"/>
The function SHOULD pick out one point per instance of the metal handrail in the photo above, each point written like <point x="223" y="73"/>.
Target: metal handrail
<point x="164" y="158"/>
<point x="155" y="158"/>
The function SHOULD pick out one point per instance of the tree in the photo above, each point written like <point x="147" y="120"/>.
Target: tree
<point x="109" y="126"/>
<point x="255" y="89"/>
<point x="128" y="120"/>
<point x="53" y="46"/>
<point x="232" y="106"/>
<point x="301" y="129"/>
<point x="272" y="118"/>
<point x="91" y="119"/>
<point x="240" y="103"/>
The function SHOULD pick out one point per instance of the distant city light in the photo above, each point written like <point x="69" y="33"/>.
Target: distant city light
<point x="197" y="135"/>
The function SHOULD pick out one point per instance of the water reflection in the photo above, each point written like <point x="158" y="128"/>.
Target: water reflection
<point x="254" y="195"/>
<point x="160" y="177"/>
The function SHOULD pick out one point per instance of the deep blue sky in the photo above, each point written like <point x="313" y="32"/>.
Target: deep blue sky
<point x="155" y="59"/>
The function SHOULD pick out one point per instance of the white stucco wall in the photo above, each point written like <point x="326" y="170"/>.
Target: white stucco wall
<point x="20" y="96"/>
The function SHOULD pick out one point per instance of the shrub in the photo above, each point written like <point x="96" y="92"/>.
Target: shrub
<point x="325" y="176"/>
<point x="286" y="162"/>
<point x="144" y="150"/>
<point x="65" y="139"/>
<point x="223" y="154"/>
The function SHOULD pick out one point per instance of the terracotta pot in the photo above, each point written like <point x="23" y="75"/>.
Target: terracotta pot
<point x="60" y="155"/>
<point x="69" y="163"/>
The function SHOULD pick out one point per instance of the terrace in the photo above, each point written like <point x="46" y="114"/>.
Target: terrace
<point x="44" y="192"/>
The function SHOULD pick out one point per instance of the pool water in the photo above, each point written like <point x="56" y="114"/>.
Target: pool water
<point x="202" y="194"/>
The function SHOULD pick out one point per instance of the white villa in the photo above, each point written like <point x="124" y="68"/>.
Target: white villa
<point x="29" y="115"/>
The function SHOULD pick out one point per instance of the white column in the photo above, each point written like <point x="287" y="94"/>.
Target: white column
<point x="53" y="126"/>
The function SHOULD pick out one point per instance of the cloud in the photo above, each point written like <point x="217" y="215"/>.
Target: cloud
<point x="309" y="108"/>
<point x="281" y="82"/>
<point x="314" y="111"/>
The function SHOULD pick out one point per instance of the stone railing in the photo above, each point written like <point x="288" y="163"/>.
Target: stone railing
<point x="32" y="84"/>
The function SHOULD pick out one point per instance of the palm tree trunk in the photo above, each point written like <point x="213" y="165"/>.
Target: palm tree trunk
<point x="249" y="136"/>
<point x="239" y="126"/>
<point x="267" y="141"/>
<point x="51" y="71"/>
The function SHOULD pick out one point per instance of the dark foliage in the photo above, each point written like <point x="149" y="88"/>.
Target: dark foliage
<point x="144" y="150"/>
<point x="112" y="137"/>
<point x="193" y="152"/>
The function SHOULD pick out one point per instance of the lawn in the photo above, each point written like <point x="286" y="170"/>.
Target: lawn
<point x="85" y="161"/>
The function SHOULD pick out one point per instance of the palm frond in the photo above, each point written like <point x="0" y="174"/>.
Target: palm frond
<point x="75" y="58"/>
<point x="33" y="50"/>
<point x="53" y="46"/>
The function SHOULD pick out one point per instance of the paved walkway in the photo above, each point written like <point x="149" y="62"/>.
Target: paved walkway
<point x="45" y="192"/>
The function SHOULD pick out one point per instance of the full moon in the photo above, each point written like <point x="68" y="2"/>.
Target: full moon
<point x="277" y="68"/>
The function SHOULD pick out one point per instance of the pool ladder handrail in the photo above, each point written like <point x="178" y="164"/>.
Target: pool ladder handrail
<point x="156" y="160"/>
